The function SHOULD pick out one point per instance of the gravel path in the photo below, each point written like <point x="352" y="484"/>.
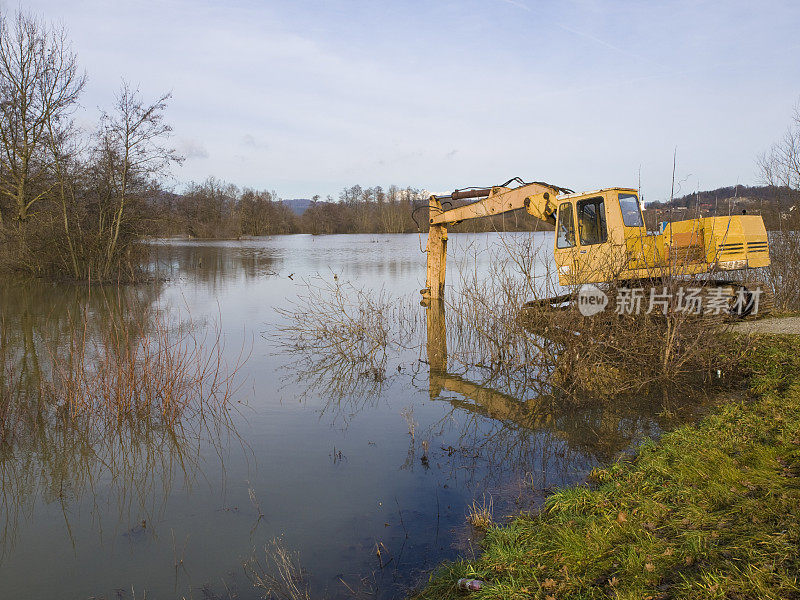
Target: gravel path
<point x="786" y="325"/>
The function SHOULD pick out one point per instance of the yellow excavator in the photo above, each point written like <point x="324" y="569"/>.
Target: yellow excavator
<point x="601" y="236"/>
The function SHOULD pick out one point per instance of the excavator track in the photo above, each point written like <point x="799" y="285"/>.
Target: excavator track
<point x="711" y="292"/>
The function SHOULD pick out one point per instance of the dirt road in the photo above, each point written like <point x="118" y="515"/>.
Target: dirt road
<point x="785" y="325"/>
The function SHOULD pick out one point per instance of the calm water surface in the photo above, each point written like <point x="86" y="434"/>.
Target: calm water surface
<point x="330" y="469"/>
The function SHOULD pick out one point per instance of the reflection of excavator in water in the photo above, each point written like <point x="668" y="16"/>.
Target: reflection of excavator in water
<point x="601" y="236"/>
<point x="598" y="430"/>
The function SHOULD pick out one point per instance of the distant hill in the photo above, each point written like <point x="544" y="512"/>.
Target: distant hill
<point x="298" y="205"/>
<point x="722" y="196"/>
<point x="774" y="204"/>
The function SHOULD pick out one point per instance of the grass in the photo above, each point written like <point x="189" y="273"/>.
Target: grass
<point x="282" y="575"/>
<point x="480" y="514"/>
<point x="710" y="511"/>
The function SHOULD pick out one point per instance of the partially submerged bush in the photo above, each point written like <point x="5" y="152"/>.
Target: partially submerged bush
<point x="543" y="350"/>
<point x="482" y="333"/>
<point x="340" y="321"/>
<point x="343" y="336"/>
<point x="156" y="373"/>
<point x="109" y="360"/>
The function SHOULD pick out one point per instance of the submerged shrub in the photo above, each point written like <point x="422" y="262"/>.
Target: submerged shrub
<point x="142" y="370"/>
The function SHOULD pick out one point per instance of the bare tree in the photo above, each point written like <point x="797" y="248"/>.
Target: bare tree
<point x="39" y="88"/>
<point x="132" y="144"/>
<point x="66" y="154"/>
<point x="780" y="166"/>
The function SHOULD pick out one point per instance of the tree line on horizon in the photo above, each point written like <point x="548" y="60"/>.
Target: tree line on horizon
<point x="215" y="209"/>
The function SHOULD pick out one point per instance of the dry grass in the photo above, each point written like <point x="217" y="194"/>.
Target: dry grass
<point x="408" y="415"/>
<point x="281" y="575"/>
<point x="142" y="370"/>
<point x="481" y="514"/>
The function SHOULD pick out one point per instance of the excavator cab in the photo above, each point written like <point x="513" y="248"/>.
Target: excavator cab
<point x="592" y="230"/>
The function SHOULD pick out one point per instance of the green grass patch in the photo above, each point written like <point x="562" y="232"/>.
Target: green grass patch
<point x="710" y="511"/>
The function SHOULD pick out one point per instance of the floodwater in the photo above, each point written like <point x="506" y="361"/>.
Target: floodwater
<point x="367" y="478"/>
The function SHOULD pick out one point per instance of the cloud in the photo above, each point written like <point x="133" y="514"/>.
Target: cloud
<point x="251" y="142"/>
<point x="584" y="102"/>
<point x="192" y="148"/>
<point x="518" y="5"/>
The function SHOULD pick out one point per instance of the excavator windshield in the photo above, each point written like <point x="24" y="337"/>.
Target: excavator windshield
<point x="631" y="213"/>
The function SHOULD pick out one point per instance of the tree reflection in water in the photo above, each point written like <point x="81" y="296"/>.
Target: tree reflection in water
<point x="212" y="264"/>
<point x="51" y="449"/>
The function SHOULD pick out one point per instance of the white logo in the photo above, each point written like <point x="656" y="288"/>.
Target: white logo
<point x="591" y="300"/>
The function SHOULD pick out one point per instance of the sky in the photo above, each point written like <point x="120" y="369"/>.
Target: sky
<point x="306" y="98"/>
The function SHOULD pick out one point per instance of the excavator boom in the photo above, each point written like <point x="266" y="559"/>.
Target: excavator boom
<point x="537" y="198"/>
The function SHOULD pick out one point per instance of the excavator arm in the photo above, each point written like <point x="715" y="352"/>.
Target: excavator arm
<point x="537" y="198"/>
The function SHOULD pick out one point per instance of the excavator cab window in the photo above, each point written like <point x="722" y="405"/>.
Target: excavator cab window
<point x="566" y="226"/>
<point x="592" y="221"/>
<point x="631" y="215"/>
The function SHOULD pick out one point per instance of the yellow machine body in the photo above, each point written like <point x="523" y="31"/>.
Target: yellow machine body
<point x="601" y="235"/>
